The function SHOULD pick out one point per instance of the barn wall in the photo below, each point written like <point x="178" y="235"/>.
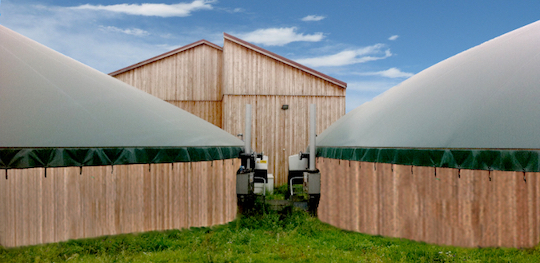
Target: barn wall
<point x="191" y="80"/>
<point x="247" y="72"/>
<point x="411" y="202"/>
<point x="226" y="80"/>
<point x="267" y="84"/>
<point x="280" y="133"/>
<point x="103" y="200"/>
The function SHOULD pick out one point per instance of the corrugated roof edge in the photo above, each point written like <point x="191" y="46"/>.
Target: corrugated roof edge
<point x="166" y="54"/>
<point x="285" y="60"/>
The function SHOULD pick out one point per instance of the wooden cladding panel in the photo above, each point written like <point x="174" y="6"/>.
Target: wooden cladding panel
<point x="194" y="74"/>
<point x="280" y="133"/>
<point x="247" y="72"/>
<point x="209" y="111"/>
<point x="458" y="208"/>
<point x="106" y="200"/>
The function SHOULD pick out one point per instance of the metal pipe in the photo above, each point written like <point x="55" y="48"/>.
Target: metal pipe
<point x="247" y="134"/>
<point x="264" y="185"/>
<point x="312" y="136"/>
<point x="291" y="185"/>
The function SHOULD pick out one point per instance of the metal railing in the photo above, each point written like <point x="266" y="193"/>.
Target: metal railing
<point x="291" y="180"/>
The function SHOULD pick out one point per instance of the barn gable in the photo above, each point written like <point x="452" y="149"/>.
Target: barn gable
<point x="253" y="70"/>
<point x="188" y="77"/>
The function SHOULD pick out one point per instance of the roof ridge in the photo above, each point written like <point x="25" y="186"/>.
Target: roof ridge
<point x="166" y="54"/>
<point x="285" y="60"/>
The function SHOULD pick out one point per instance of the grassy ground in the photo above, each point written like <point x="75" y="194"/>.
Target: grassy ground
<point x="289" y="236"/>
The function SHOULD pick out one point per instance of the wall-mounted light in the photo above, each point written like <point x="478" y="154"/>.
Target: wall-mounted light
<point x="285" y="107"/>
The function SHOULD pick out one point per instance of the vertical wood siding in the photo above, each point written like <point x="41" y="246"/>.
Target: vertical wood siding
<point x="280" y="133"/>
<point x="267" y="84"/>
<point x="191" y="80"/>
<point x="411" y="202"/>
<point x="247" y="72"/>
<point x="107" y="200"/>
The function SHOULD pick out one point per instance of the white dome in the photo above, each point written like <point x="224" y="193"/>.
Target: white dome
<point x="485" y="97"/>
<point x="49" y="102"/>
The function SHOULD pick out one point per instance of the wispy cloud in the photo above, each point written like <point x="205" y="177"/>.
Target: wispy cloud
<point x="93" y="38"/>
<point x="375" y="86"/>
<point x="279" y="36"/>
<point x="313" y="18"/>
<point x="230" y="10"/>
<point x="168" y="47"/>
<point x="129" y="31"/>
<point x="394" y="37"/>
<point x="348" y="57"/>
<point x="147" y="9"/>
<point x="389" y="73"/>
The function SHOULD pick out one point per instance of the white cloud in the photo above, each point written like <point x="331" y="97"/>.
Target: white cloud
<point x="230" y="10"/>
<point x="394" y="37"/>
<point x="389" y="73"/>
<point x="147" y="9"/>
<point x="80" y="35"/>
<point x="166" y="36"/>
<point x="129" y="31"/>
<point x="348" y="57"/>
<point x="168" y="47"/>
<point x="313" y="18"/>
<point x="279" y="36"/>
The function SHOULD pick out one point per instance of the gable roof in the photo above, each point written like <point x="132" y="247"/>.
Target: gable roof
<point x="242" y="43"/>
<point x="476" y="110"/>
<point x="166" y="54"/>
<point x="57" y="112"/>
<point x="285" y="60"/>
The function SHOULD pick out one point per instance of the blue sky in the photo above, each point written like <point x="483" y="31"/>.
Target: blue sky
<point x="371" y="45"/>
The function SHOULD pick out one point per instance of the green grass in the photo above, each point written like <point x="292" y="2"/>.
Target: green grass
<point x="283" y="193"/>
<point x="290" y="236"/>
<point x="280" y="193"/>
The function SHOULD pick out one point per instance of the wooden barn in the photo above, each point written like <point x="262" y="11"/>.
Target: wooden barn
<point x="215" y="83"/>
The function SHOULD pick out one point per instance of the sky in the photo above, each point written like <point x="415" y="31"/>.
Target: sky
<point x="371" y="45"/>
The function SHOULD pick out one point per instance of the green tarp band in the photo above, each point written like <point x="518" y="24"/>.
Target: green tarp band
<point x="17" y="158"/>
<point x="476" y="159"/>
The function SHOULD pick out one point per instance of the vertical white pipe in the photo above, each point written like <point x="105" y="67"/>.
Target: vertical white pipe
<point x="312" y="136"/>
<point x="247" y="136"/>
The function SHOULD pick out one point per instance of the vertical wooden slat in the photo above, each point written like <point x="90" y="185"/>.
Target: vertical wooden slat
<point x="275" y="129"/>
<point x="66" y="205"/>
<point x="445" y="209"/>
<point x="250" y="76"/>
<point x="3" y="207"/>
<point x="193" y="75"/>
